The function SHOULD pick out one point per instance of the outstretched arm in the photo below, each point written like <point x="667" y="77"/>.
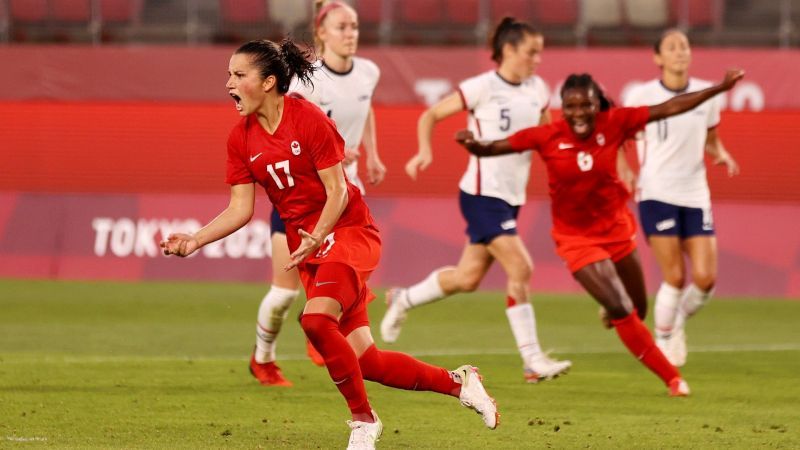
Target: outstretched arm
<point x="492" y="148"/>
<point x="376" y="171"/>
<point x="685" y="102"/>
<point x="235" y="216"/>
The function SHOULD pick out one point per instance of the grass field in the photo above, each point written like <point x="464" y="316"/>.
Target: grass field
<point x="164" y="365"/>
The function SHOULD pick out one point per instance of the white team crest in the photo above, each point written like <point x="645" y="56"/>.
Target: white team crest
<point x="601" y="139"/>
<point x="295" y="148"/>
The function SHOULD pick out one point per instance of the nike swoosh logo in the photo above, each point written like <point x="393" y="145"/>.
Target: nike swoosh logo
<point x="253" y="158"/>
<point x="323" y="283"/>
<point x="564" y="146"/>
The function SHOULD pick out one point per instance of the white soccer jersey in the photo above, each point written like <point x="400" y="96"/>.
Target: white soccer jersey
<point x="671" y="151"/>
<point x="498" y="109"/>
<point x="346" y="98"/>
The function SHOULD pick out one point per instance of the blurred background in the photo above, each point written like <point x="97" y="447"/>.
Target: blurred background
<point x="114" y="118"/>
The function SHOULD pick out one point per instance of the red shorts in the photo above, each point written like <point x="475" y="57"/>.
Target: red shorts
<point x="340" y="270"/>
<point x="579" y="251"/>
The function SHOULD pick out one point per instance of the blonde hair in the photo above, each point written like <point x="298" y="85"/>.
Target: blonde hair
<point x="321" y="10"/>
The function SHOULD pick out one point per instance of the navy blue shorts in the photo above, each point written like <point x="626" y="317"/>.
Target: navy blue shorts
<point x="665" y="219"/>
<point x="487" y="217"/>
<point x="276" y="225"/>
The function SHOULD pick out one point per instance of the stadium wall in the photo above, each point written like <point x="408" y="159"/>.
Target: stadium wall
<point x="116" y="146"/>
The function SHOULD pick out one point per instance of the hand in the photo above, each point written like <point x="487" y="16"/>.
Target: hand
<point x="732" y="76"/>
<point x="725" y="158"/>
<point x="308" y="244"/>
<point x="376" y="171"/>
<point x="350" y="155"/>
<point x="465" y="137"/>
<point x="180" y="244"/>
<point x="417" y="163"/>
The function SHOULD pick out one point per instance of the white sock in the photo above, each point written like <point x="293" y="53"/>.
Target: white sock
<point x="667" y="300"/>
<point x="426" y="291"/>
<point x="692" y="300"/>
<point x="271" y="314"/>
<point x="523" y="325"/>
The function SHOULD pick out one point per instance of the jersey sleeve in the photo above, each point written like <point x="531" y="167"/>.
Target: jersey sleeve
<point x="543" y="92"/>
<point x="471" y="90"/>
<point x="631" y="97"/>
<point x="631" y="120"/>
<point x="714" y="112"/>
<point x="528" y="139"/>
<point x="237" y="170"/>
<point x="326" y="144"/>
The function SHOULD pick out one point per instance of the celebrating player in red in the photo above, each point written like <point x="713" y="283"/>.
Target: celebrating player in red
<point x="292" y="149"/>
<point x="593" y="229"/>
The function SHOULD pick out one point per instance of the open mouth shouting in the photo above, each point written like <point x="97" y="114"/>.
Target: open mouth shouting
<point x="238" y="101"/>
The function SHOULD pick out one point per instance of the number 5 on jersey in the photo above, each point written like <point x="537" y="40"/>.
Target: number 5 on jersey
<point x="281" y="165"/>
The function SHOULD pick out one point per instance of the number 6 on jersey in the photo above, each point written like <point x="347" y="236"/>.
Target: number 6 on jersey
<point x="281" y="165"/>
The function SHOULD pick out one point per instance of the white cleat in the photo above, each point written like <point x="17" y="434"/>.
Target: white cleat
<point x="392" y="322"/>
<point x="363" y="435"/>
<point x="542" y="368"/>
<point x="474" y="396"/>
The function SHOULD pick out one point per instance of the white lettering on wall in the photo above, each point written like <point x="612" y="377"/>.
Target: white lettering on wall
<point x="432" y="89"/>
<point x="123" y="237"/>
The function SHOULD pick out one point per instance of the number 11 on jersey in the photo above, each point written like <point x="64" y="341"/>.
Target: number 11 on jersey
<point x="281" y="165"/>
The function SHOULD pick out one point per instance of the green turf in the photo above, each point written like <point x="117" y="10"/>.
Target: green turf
<point x="162" y="365"/>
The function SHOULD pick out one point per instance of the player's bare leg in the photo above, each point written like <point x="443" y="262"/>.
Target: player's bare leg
<point x="272" y="313"/>
<point x="667" y="251"/>
<point x="510" y="252"/>
<point x="601" y="280"/>
<point x="445" y="281"/>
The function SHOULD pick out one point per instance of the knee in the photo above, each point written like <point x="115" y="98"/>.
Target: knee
<point x="704" y="279"/>
<point x="468" y="282"/>
<point x="521" y="272"/>
<point x="317" y="325"/>
<point x="674" y="277"/>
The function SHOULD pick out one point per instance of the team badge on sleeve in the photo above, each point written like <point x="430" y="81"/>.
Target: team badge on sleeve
<point x="295" y="148"/>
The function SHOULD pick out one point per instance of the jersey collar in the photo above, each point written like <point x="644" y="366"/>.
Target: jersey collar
<point x="328" y="68"/>
<point x="675" y="91"/>
<point x="506" y="81"/>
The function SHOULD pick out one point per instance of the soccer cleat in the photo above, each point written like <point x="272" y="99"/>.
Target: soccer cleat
<point x="678" y="388"/>
<point x="363" y="435"/>
<point x="542" y="368"/>
<point x="314" y="355"/>
<point x="474" y="396"/>
<point x="392" y="322"/>
<point x="268" y="374"/>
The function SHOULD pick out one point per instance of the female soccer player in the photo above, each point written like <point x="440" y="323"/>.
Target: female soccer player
<point x="292" y="149"/>
<point x="674" y="199"/>
<point x="500" y="102"/>
<point x="592" y="226"/>
<point x="342" y="88"/>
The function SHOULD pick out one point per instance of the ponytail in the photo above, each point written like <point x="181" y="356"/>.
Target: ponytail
<point x="585" y="81"/>
<point x="284" y="61"/>
<point x="508" y="31"/>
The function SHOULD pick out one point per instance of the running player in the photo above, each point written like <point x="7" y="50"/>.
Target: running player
<point x="673" y="195"/>
<point x="292" y="149"/>
<point x="499" y="102"/>
<point x="592" y="227"/>
<point x="342" y="87"/>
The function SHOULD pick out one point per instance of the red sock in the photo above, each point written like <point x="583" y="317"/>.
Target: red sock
<point x="323" y="331"/>
<point x="402" y="371"/>
<point x="635" y="335"/>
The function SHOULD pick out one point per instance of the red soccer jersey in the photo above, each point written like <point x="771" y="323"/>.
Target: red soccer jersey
<point x="286" y="162"/>
<point x="588" y="199"/>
